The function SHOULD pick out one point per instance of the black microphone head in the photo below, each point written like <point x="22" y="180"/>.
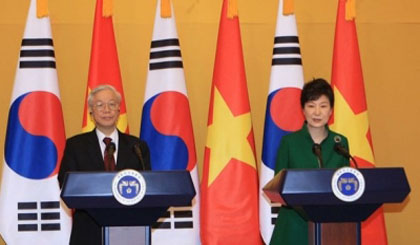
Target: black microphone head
<point x="111" y="148"/>
<point x="341" y="150"/>
<point x="316" y="149"/>
<point x="345" y="152"/>
<point x="337" y="147"/>
<point x="136" y="148"/>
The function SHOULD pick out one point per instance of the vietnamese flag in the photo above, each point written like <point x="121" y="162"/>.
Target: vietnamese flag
<point x="104" y="67"/>
<point x="350" y="110"/>
<point x="229" y="207"/>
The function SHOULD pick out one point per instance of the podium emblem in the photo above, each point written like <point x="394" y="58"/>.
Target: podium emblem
<point x="348" y="184"/>
<point x="128" y="187"/>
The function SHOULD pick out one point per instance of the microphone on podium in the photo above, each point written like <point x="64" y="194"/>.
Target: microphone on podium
<point x="110" y="148"/>
<point x="316" y="149"/>
<point x="340" y="149"/>
<point x="137" y="151"/>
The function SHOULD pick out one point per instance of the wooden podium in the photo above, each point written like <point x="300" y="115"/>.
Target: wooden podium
<point x="333" y="221"/>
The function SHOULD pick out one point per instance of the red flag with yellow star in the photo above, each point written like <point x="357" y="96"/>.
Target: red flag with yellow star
<point x="104" y="66"/>
<point x="229" y="206"/>
<point x="350" y="111"/>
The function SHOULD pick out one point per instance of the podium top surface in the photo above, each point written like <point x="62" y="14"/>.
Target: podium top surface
<point x="86" y="190"/>
<point x="299" y="187"/>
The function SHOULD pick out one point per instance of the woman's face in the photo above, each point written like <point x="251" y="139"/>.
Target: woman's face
<point x="317" y="112"/>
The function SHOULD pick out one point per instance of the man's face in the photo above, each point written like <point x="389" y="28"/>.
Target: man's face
<point x="105" y="110"/>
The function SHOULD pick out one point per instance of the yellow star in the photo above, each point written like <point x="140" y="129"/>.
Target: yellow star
<point x="227" y="137"/>
<point x="354" y="127"/>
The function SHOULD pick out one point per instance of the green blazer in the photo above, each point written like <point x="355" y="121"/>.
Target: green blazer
<point x="295" y="151"/>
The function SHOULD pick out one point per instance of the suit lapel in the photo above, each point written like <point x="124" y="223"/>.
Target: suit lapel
<point x="95" y="151"/>
<point x="123" y="151"/>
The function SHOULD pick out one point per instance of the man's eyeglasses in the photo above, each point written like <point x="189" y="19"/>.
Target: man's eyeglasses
<point x="112" y="105"/>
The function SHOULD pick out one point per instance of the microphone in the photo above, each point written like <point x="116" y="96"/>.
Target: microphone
<point x="316" y="149"/>
<point x="340" y="149"/>
<point x="137" y="151"/>
<point x="110" y="148"/>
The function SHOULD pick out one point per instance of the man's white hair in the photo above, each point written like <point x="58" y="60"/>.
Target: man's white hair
<point x="101" y="88"/>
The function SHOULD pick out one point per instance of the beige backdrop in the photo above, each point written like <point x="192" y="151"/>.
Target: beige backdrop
<point x="389" y="36"/>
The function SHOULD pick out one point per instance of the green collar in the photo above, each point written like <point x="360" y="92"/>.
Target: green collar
<point x="305" y="132"/>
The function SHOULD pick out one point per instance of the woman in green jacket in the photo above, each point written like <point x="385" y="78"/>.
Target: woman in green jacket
<point x="297" y="151"/>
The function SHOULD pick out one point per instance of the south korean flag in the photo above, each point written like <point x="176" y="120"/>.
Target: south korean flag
<point x="30" y="207"/>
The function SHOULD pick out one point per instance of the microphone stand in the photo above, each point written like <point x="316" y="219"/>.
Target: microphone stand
<point x="343" y="151"/>
<point x="137" y="150"/>
<point x="316" y="149"/>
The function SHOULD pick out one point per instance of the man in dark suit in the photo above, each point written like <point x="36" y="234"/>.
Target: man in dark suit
<point x="86" y="152"/>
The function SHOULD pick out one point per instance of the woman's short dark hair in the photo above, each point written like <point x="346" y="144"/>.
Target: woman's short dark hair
<point x="315" y="89"/>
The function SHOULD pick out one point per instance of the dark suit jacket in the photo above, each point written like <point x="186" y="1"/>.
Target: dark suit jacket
<point x="83" y="153"/>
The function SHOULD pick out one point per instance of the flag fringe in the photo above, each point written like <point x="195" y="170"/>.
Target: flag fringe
<point x="232" y="10"/>
<point x="165" y="9"/>
<point x="350" y="9"/>
<point x="41" y="8"/>
<point x="107" y="8"/>
<point x="288" y="7"/>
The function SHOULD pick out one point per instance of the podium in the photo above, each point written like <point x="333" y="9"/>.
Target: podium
<point x="92" y="191"/>
<point x="309" y="191"/>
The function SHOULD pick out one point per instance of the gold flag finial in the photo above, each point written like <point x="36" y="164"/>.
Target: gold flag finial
<point x="350" y="9"/>
<point x="165" y="9"/>
<point x="288" y="7"/>
<point x="41" y="8"/>
<point x="232" y="10"/>
<point x="107" y="8"/>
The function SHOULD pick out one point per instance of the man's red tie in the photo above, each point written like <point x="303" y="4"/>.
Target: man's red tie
<point x="109" y="159"/>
